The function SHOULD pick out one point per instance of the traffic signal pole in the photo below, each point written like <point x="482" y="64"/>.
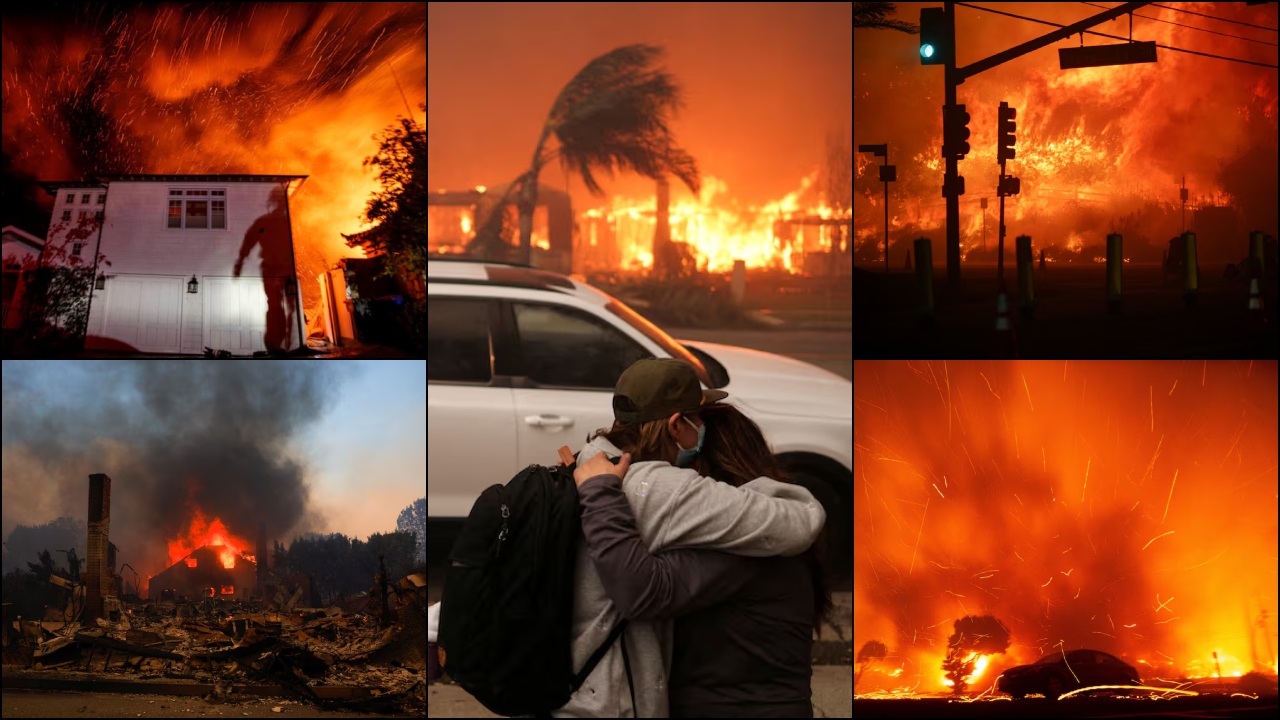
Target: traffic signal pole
<point x="953" y="76"/>
<point x="953" y="171"/>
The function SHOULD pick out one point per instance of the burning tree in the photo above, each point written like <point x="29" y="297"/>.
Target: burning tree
<point x="870" y="651"/>
<point x="974" y="637"/>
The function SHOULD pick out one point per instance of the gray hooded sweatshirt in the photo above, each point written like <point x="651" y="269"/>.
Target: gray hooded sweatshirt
<point x="674" y="508"/>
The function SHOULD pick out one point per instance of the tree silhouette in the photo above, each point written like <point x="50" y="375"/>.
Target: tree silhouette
<point x="875" y="15"/>
<point x="974" y="636"/>
<point x="870" y="651"/>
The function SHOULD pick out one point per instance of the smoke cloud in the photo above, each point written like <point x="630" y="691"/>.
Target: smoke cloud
<point x="173" y="436"/>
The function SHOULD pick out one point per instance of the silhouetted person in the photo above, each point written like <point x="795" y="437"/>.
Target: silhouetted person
<point x="271" y="233"/>
<point x="1041" y="258"/>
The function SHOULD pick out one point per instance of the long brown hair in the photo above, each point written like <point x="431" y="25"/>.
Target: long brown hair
<point x="735" y="452"/>
<point x="645" y="441"/>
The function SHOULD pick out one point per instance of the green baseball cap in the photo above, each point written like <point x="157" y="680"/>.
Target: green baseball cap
<point x="656" y="388"/>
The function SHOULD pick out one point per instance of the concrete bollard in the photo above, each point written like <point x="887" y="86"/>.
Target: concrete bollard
<point x="1026" y="283"/>
<point x="1190" y="272"/>
<point x="1115" y="264"/>
<point x="924" y="278"/>
<point x="1257" y="257"/>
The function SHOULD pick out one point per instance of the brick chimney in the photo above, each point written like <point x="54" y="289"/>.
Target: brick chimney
<point x="97" y="576"/>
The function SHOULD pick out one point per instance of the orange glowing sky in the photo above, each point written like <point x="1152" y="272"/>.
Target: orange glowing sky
<point x="1128" y="507"/>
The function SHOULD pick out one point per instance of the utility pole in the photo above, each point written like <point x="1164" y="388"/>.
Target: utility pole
<point x="888" y="174"/>
<point x="984" y="224"/>
<point x="1184" y="203"/>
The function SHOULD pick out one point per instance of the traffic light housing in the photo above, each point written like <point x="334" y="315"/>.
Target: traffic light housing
<point x="1005" y="130"/>
<point x="935" y="36"/>
<point x="955" y="131"/>
<point x="1010" y="185"/>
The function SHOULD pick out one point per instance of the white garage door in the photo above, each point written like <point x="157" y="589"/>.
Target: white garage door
<point x="144" y="312"/>
<point x="237" y="313"/>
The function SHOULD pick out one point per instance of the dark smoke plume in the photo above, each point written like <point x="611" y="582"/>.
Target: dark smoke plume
<point x="173" y="436"/>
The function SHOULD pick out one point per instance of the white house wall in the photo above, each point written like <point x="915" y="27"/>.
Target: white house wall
<point x="137" y="241"/>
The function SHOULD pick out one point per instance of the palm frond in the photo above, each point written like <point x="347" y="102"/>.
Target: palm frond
<point x="614" y="115"/>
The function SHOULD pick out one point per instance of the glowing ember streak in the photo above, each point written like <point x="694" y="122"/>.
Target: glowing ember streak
<point x="993" y="392"/>
<point x="1067" y="573"/>
<point x="1169" y="620"/>
<point x="935" y="487"/>
<point x="1163" y="605"/>
<point x="1151" y="400"/>
<point x="1204" y="372"/>
<point x="1086" y="479"/>
<point x="1132" y="626"/>
<point x="918" y="534"/>
<point x="1166" y="502"/>
<point x="1024" y="385"/>
<point x="1144" y="547"/>
<point x="1175" y="384"/>
<point x="1046" y="582"/>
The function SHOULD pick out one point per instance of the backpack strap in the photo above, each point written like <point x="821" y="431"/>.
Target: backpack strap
<point x="626" y="663"/>
<point x="596" y="656"/>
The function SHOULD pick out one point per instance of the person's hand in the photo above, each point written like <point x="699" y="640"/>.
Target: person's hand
<point x="599" y="464"/>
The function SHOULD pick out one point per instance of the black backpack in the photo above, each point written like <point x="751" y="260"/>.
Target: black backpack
<point x="506" y="610"/>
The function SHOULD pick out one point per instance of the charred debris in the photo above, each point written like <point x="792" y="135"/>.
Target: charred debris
<point x="227" y="634"/>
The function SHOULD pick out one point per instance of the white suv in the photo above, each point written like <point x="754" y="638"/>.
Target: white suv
<point x="521" y="361"/>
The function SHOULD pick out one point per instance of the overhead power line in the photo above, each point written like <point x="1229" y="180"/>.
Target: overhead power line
<point x="1211" y="17"/>
<point x="1116" y="37"/>
<point x="1190" y="27"/>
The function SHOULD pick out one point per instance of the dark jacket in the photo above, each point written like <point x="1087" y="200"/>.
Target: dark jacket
<point x="743" y="631"/>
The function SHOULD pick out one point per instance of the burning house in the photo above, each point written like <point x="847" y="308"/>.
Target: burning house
<point x="209" y="571"/>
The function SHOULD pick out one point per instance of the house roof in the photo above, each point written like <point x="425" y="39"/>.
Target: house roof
<point x="17" y="233"/>
<point x="100" y="181"/>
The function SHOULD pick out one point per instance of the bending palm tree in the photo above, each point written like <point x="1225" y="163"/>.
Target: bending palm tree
<point x="612" y="116"/>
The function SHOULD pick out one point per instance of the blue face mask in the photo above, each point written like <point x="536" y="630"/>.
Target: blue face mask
<point x="685" y="457"/>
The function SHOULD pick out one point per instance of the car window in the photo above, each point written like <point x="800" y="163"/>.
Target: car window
<point x="1048" y="659"/>
<point x="565" y="347"/>
<point x="458" y="348"/>
<point x="663" y="340"/>
<point x="1083" y="657"/>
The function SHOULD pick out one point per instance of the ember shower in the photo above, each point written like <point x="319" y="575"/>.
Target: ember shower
<point x="180" y="440"/>
<point x="217" y="88"/>
<point x="1128" y="507"/>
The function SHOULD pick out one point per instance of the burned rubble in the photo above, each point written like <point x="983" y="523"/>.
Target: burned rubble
<point x="222" y="643"/>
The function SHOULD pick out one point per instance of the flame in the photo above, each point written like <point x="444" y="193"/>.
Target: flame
<point x="202" y="532"/>
<point x="719" y="232"/>
<point x="978" y="666"/>
<point x="228" y="590"/>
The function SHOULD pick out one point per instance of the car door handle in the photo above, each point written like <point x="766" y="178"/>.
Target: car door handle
<point x="548" y="421"/>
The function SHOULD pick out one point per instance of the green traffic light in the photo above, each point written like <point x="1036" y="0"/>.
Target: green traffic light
<point x="926" y="50"/>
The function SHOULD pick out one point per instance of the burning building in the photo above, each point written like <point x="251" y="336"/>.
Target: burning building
<point x="209" y="571"/>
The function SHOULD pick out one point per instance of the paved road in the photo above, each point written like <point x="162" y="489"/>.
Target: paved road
<point x="28" y="703"/>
